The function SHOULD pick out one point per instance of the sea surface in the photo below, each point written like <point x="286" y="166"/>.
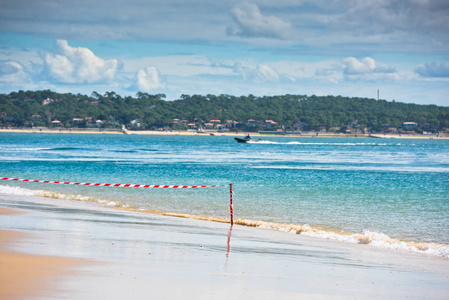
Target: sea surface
<point x="391" y="193"/>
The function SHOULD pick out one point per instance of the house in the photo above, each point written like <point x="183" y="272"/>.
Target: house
<point x="99" y="123"/>
<point x="192" y="126"/>
<point x="112" y="123"/>
<point x="223" y="127"/>
<point x="36" y="118"/>
<point x="89" y="120"/>
<point x="56" y="123"/>
<point x="216" y="123"/>
<point x="270" y="123"/>
<point x="232" y="123"/>
<point x="47" y="101"/>
<point x="176" y="121"/>
<point x="77" y="121"/>
<point x="252" y="123"/>
<point x="208" y="125"/>
<point x="135" y="123"/>
<point x="409" y="126"/>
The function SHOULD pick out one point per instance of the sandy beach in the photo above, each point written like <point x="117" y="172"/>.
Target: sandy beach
<point x="26" y="275"/>
<point x="96" y="252"/>
<point x="228" y="133"/>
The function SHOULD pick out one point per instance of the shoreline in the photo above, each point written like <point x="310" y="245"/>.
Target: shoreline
<point x="377" y="240"/>
<point x="137" y="255"/>
<point x="230" y="134"/>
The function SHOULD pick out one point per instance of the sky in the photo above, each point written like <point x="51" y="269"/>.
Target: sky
<point x="350" y="48"/>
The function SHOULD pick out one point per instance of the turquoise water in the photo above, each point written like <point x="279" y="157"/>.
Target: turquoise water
<point x="385" y="192"/>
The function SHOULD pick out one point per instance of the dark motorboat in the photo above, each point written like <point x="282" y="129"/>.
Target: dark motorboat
<point x="244" y="140"/>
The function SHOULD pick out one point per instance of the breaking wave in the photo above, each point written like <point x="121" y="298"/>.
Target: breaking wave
<point x="367" y="237"/>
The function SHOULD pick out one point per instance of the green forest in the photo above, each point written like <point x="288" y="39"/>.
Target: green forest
<point x="243" y="113"/>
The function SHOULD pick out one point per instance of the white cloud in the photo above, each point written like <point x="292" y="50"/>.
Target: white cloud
<point x="434" y="69"/>
<point x="12" y="72"/>
<point x="78" y="65"/>
<point x="148" y="79"/>
<point x="353" y="66"/>
<point x="266" y="73"/>
<point x="252" y="23"/>
<point x="258" y="73"/>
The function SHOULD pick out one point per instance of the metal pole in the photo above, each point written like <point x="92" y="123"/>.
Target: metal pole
<point x="231" y="208"/>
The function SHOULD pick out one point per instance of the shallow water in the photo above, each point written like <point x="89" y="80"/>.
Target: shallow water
<point x="385" y="192"/>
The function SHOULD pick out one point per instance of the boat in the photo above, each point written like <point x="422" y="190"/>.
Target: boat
<point x="246" y="139"/>
<point x="239" y="140"/>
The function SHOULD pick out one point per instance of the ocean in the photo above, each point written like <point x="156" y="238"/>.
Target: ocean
<point x="390" y="193"/>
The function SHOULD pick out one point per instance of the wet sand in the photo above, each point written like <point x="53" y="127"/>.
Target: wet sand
<point x="132" y="255"/>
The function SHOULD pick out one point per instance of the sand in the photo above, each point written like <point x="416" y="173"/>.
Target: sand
<point x="24" y="275"/>
<point x="228" y="133"/>
<point x="132" y="255"/>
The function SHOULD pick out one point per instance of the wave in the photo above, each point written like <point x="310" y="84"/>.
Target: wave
<point x="42" y="149"/>
<point x="367" y="237"/>
<point x="124" y="151"/>
<point x="63" y="149"/>
<point x="372" y="238"/>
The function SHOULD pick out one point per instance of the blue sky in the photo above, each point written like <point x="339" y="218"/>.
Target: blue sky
<point x="323" y="47"/>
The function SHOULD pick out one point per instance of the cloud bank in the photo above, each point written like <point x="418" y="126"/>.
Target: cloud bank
<point x="366" y="68"/>
<point x="78" y="65"/>
<point x="434" y="69"/>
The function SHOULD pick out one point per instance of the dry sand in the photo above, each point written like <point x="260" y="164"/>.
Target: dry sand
<point x="229" y="133"/>
<point x="24" y="275"/>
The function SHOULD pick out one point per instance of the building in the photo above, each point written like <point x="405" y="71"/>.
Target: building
<point x="252" y="123"/>
<point x="77" y="121"/>
<point x="270" y="123"/>
<point x="409" y="126"/>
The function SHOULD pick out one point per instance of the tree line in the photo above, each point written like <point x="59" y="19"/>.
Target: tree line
<point x="152" y="111"/>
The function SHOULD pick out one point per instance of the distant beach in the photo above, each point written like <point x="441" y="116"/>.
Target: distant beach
<point x="227" y="133"/>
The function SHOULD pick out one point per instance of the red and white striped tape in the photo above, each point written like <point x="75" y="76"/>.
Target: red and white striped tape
<point x="117" y="184"/>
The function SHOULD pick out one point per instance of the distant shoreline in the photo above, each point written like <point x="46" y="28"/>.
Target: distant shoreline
<point x="229" y="133"/>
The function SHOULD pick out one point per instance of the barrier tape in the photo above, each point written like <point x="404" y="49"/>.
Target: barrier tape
<point x="117" y="185"/>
